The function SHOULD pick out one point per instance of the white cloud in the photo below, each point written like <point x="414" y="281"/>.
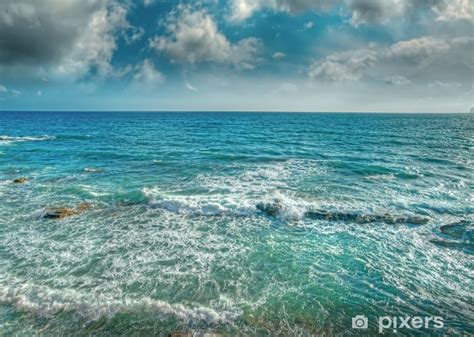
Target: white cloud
<point x="344" y="66"/>
<point x="421" y="58"/>
<point x="147" y="3"/>
<point x="190" y="87"/>
<point x="147" y="75"/>
<point x="455" y="10"/>
<point x="193" y="37"/>
<point x="39" y="93"/>
<point x="243" y="9"/>
<point x="446" y="85"/>
<point x="359" y="11"/>
<point x="16" y="92"/>
<point x="375" y="11"/>
<point x="397" y="80"/>
<point x="309" y="25"/>
<point x="96" y="45"/>
<point x="279" y="55"/>
<point x="244" y="54"/>
<point x="65" y="38"/>
<point x="3" y="89"/>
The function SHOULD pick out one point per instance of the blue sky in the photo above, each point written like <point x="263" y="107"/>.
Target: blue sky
<point x="264" y="55"/>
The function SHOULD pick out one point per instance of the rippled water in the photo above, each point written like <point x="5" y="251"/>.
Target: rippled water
<point x="234" y="223"/>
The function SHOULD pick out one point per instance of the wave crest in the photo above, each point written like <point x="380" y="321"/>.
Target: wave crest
<point x="45" y="301"/>
<point x="13" y="139"/>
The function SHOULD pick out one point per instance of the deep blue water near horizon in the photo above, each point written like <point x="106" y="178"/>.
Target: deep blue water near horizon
<point x="261" y="224"/>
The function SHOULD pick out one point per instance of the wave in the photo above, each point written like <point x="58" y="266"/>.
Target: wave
<point x="45" y="301"/>
<point x="280" y="207"/>
<point x="12" y="139"/>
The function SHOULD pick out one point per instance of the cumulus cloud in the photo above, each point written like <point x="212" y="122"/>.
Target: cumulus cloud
<point x="375" y="11"/>
<point x="397" y="80"/>
<point x="344" y="66"/>
<point x="382" y="11"/>
<point x="147" y="75"/>
<point x="421" y="58"/>
<point x="147" y="3"/>
<point x="279" y="55"/>
<point x="67" y="37"/>
<point x="190" y="87"/>
<point x="193" y="37"/>
<point x="455" y="10"/>
<point x="359" y="11"/>
<point x="243" y="9"/>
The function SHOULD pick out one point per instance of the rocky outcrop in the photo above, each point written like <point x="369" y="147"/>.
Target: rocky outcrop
<point x="457" y="235"/>
<point x="21" y="180"/>
<point x="181" y="334"/>
<point x="275" y="209"/>
<point x="367" y="218"/>
<point x="64" y="212"/>
<point x="459" y="230"/>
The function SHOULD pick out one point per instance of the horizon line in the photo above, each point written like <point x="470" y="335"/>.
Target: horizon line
<point x="244" y="111"/>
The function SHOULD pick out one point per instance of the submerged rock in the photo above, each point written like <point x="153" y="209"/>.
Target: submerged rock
<point x="85" y="206"/>
<point x="272" y="209"/>
<point x="275" y="209"/>
<point x="181" y="334"/>
<point x="459" y="230"/>
<point x="64" y="212"/>
<point x="457" y="235"/>
<point x="59" y="213"/>
<point x="367" y="218"/>
<point x="21" y="180"/>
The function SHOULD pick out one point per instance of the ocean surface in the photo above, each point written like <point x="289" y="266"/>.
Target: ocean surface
<point x="266" y="224"/>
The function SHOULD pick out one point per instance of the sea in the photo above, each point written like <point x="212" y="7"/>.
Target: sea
<point x="236" y="224"/>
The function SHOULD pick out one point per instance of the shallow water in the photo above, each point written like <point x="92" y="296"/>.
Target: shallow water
<point x="176" y="239"/>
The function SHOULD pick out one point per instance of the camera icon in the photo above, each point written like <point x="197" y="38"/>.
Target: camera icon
<point x="360" y="322"/>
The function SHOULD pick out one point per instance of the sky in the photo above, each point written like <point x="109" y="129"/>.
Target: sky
<point x="237" y="55"/>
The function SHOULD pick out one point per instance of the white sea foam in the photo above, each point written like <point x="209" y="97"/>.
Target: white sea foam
<point x="239" y="195"/>
<point x="289" y="208"/>
<point x="12" y="139"/>
<point x="45" y="301"/>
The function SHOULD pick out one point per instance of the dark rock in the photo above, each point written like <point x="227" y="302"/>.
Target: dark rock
<point x="64" y="212"/>
<point x="366" y="218"/>
<point x="458" y="230"/>
<point x="59" y="213"/>
<point x="181" y="334"/>
<point x="21" y="180"/>
<point x="271" y="209"/>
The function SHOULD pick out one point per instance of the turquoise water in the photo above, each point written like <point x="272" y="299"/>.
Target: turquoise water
<point x="235" y="223"/>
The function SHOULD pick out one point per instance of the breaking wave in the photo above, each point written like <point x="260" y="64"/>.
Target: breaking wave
<point x="46" y="302"/>
<point x="12" y="139"/>
<point x="281" y="207"/>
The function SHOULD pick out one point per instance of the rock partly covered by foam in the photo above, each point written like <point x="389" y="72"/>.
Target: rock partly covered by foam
<point x="64" y="212"/>
<point x="270" y="208"/>
<point x="366" y="218"/>
<point x="21" y="180"/>
<point x="275" y="209"/>
<point x="462" y="230"/>
<point x="457" y="235"/>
